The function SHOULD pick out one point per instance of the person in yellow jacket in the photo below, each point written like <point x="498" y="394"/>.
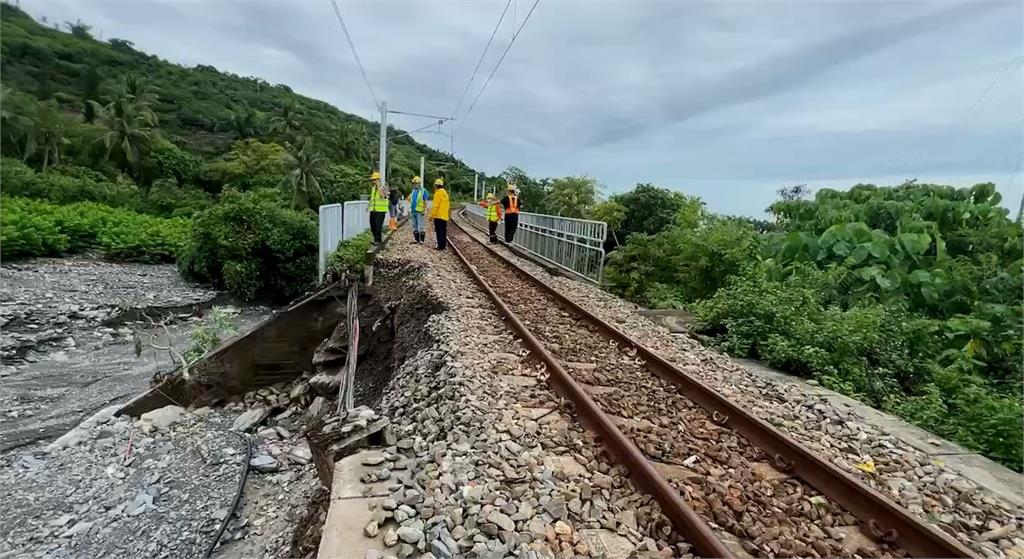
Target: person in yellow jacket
<point x="378" y="207"/>
<point x="492" y="209"/>
<point x="439" y="213"/>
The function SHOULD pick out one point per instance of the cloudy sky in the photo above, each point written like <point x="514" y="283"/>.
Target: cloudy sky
<point x="724" y="99"/>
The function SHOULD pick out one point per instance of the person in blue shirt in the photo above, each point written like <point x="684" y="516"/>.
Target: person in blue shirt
<point x="418" y="199"/>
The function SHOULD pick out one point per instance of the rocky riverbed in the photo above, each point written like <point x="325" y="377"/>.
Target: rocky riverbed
<point x="69" y="327"/>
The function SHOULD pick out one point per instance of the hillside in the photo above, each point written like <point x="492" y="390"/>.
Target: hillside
<point x="201" y="110"/>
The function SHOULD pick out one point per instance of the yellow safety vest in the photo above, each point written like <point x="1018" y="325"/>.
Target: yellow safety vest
<point x="492" y="212"/>
<point x="377" y="202"/>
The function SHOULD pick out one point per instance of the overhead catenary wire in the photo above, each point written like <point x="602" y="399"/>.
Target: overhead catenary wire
<point x="355" y="54"/>
<point x="465" y="90"/>
<point x="500" y="60"/>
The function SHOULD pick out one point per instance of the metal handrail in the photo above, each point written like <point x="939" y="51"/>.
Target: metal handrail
<point x="572" y="244"/>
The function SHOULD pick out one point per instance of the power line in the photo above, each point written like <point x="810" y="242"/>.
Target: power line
<point x="970" y="110"/>
<point x="510" y="43"/>
<point x="482" y="54"/>
<point x="352" y="46"/>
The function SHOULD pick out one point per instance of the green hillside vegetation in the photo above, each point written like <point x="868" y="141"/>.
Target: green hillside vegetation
<point x="908" y="298"/>
<point x="101" y="122"/>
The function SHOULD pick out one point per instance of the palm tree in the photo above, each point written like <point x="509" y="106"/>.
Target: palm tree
<point x="354" y="142"/>
<point x="17" y="120"/>
<point x="129" y="132"/>
<point x="139" y="90"/>
<point x="286" y="122"/>
<point x="244" y="122"/>
<point x="50" y="134"/>
<point x="303" y="167"/>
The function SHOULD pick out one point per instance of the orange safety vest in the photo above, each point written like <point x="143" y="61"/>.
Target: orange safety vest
<point x="513" y="204"/>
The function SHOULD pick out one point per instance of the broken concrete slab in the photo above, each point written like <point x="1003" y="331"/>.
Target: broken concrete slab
<point x="161" y="419"/>
<point x="624" y="422"/>
<point x="516" y="380"/>
<point x="673" y="472"/>
<point x="765" y="471"/>
<point x="535" y="413"/>
<point x="342" y="536"/>
<point x="565" y="464"/>
<point x="594" y="390"/>
<point x="348" y="474"/>
<point x="607" y="544"/>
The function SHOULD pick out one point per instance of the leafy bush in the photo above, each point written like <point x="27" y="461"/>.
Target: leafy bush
<point x="254" y="248"/>
<point x="25" y="231"/>
<point x="350" y="256"/>
<point x="68" y="184"/>
<point x="64" y="185"/>
<point x="35" y="228"/>
<point x="881" y="354"/>
<point x="680" y="265"/>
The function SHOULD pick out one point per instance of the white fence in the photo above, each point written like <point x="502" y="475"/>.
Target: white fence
<point x="574" y="245"/>
<point x="339" y="222"/>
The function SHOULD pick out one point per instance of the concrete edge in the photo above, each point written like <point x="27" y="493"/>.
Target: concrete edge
<point x="1001" y="481"/>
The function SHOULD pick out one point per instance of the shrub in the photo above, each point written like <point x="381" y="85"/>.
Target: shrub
<point x="882" y="354"/>
<point x="350" y="256"/>
<point x="680" y="265"/>
<point x="64" y="185"/>
<point x="254" y="248"/>
<point x="68" y="184"/>
<point x="36" y="228"/>
<point x="26" y="231"/>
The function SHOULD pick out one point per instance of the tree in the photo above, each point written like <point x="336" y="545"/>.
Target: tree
<point x="530" y="190"/>
<point x="286" y="122"/>
<point x="90" y="93"/>
<point x="122" y="45"/>
<point x="649" y="209"/>
<point x="51" y="133"/>
<point x="129" y="131"/>
<point x="245" y="122"/>
<point x="140" y="91"/>
<point x="250" y="164"/>
<point x="612" y="213"/>
<point x="303" y="167"/>
<point x="572" y="196"/>
<point x="794" y="192"/>
<point x="355" y="144"/>
<point x="79" y="29"/>
<point x="17" y="115"/>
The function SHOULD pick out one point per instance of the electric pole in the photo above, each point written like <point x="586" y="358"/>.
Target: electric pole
<point x="423" y="177"/>
<point x="383" y="142"/>
<point x="476" y="190"/>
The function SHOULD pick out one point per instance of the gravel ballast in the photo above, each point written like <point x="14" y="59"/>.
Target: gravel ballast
<point x="984" y="521"/>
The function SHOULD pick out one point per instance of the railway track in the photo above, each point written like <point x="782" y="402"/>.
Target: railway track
<point x="730" y="483"/>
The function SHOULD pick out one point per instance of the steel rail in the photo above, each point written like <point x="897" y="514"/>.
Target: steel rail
<point x="880" y="518"/>
<point x="683" y="518"/>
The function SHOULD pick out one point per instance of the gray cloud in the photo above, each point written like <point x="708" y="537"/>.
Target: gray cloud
<point x="692" y="95"/>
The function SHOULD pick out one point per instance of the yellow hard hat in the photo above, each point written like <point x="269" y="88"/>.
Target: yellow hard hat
<point x="511" y="187"/>
<point x="416" y="179"/>
<point x="439" y="182"/>
<point x="375" y="176"/>
<point x="491" y="196"/>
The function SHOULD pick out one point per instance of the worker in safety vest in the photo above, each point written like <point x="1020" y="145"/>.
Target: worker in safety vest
<point x="418" y="199"/>
<point x="492" y="209"/>
<point x="513" y="205"/>
<point x="439" y="213"/>
<point x="378" y="207"/>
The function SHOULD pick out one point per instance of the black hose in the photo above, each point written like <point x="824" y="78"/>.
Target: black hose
<point x="238" y="497"/>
